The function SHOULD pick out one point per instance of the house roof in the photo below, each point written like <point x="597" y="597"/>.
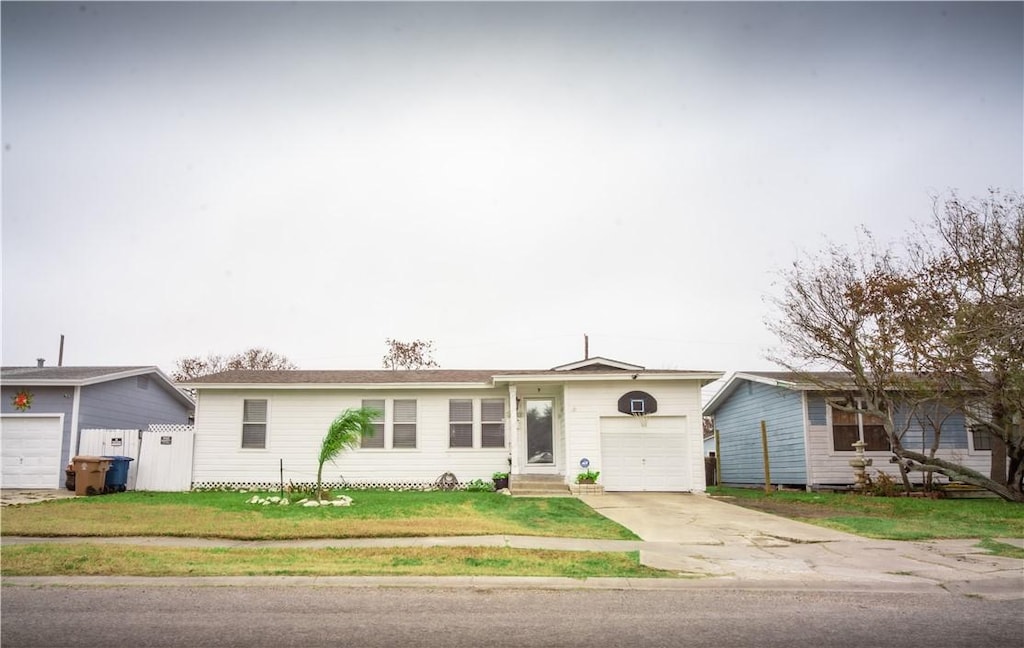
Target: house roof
<point x="796" y="381"/>
<point x="427" y="377"/>
<point x="806" y="381"/>
<point x="82" y="376"/>
<point x="598" y="363"/>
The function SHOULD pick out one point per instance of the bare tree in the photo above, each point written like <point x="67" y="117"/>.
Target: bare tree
<point x="190" y="367"/>
<point x="418" y="354"/>
<point x="972" y="254"/>
<point x="909" y="332"/>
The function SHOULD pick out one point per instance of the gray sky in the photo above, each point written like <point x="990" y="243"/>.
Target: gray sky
<point x="501" y="178"/>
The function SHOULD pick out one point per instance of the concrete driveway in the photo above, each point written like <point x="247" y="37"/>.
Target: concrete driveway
<point x="698" y="519"/>
<point x="10" y="496"/>
<point x="697" y="534"/>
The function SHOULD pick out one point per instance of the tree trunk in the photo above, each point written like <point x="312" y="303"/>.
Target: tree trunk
<point x="998" y="472"/>
<point x="962" y="473"/>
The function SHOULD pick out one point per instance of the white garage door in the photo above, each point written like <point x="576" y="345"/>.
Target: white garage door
<point x="31" y="451"/>
<point x="652" y="458"/>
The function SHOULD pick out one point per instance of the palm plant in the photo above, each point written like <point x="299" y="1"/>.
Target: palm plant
<point x="345" y="432"/>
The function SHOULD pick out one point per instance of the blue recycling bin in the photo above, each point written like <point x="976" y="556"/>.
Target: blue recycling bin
<point x="117" y="476"/>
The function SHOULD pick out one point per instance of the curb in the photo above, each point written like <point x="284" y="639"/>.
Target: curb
<point x="482" y="583"/>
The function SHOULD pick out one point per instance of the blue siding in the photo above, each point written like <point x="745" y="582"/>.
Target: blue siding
<point x="123" y="404"/>
<point x="738" y="420"/>
<point x="920" y="432"/>
<point x="46" y="400"/>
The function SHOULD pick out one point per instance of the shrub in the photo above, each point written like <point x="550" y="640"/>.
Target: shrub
<point x="479" y="485"/>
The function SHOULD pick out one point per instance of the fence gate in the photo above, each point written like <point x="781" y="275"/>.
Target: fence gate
<point x="165" y="458"/>
<point x="121" y="443"/>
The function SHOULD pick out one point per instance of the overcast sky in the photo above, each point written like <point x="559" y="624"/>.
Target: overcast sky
<point x="181" y="179"/>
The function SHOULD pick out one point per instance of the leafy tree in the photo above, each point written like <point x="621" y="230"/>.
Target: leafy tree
<point x="345" y="432"/>
<point x="418" y="354"/>
<point x="941" y="327"/>
<point x="255" y="358"/>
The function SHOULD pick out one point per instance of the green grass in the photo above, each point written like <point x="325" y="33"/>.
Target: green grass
<point x="1001" y="549"/>
<point x="83" y="559"/>
<point x="373" y="514"/>
<point x="891" y="518"/>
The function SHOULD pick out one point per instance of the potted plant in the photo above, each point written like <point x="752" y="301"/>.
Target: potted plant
<point x="500" y="480"/>
<point x="588" y="477"/>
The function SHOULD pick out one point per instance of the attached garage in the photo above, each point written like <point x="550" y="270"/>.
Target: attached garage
<point x="30" y="451"/>
<point x="639" y="458"/>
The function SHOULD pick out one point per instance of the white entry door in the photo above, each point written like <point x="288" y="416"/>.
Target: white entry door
<point x="651" y="458"/>
<point x="31" y="451"/>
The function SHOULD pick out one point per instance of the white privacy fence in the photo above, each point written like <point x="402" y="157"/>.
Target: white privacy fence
<point x="123" y="443"/>
<point x="162" y="454"/>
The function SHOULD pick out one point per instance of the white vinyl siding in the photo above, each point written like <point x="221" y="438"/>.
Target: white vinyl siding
<point x="460" y="423"/>
<point x="492" y="423"/>
<point x="254" y="424"/>
<point x="404" y="427"/>
<point x="587" y="405"/>
<point x="377" y="440"/>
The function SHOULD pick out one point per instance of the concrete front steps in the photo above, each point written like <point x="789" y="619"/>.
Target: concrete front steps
<point x="538" y="486"/>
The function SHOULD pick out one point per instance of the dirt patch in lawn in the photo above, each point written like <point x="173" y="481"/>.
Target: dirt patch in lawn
<point x="787" y="509"/>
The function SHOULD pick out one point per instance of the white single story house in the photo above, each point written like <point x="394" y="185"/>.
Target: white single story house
<point x="640" y="428"/>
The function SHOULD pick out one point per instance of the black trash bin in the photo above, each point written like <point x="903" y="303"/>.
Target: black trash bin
<point x="117" y="476"/>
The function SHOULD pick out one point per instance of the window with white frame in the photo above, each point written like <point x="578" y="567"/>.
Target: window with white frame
<point x="460" y="423"/>
<point x="849" y="427"/>
<point x="492" y="423"/>
<point x="254" y="424"/>
<point x="377" y="440"/>
<point x="404" y="426"/>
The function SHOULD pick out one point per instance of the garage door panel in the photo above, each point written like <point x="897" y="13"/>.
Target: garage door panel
<point x="637" y="458"/>
<point x="31" y="451"/>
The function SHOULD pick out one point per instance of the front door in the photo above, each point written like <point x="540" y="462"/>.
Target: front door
<point x="540" y="429"/>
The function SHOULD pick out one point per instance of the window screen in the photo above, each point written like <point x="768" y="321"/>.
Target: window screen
<point x="404" y="432"/>
<point x="460" y="423"/>
<point x="377" y="440"/>
<point x="492" y="423"/>
<point x="254" y="424"/>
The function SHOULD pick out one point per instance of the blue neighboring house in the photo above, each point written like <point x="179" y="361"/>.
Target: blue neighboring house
<point x="810" y="442"/>
<point x="43" y="410"/>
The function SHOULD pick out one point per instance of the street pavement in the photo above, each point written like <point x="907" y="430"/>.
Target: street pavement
<point x="721" y="545"/>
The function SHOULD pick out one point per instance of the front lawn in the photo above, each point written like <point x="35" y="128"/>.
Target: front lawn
<point x="84" y="559"/>
<point x="890" y="518"/>
<point x="373" y="514"/>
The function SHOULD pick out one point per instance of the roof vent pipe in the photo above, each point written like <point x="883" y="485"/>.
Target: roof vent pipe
<point x="40" y="362"/>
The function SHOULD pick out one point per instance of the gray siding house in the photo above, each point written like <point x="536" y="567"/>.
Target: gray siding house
<point x="39" y="440"/>
<point x="810" y="443"/>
